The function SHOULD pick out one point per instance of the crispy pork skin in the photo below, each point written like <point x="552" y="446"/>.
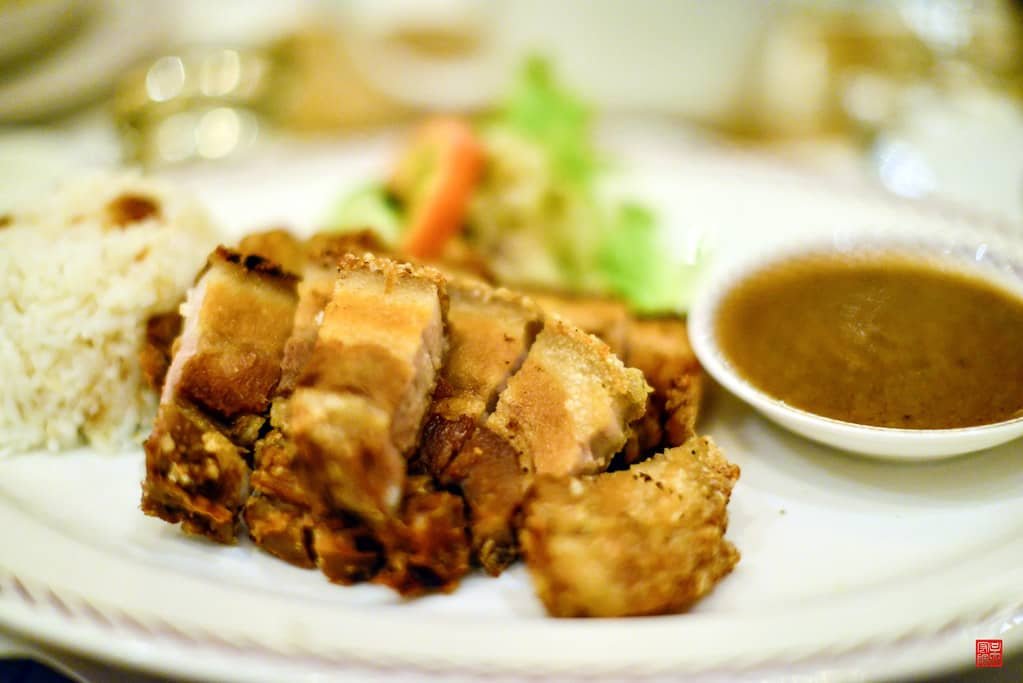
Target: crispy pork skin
<point x="647" y="540"/>
<point x="277" y="245"/>
<point x="657" y="346"/>
<point x="604" y="318"/>
<point x="383" y="337"/>
<point x="489" y="332"/>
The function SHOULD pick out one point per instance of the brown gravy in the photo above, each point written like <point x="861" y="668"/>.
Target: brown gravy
<point x="889" y="341"/>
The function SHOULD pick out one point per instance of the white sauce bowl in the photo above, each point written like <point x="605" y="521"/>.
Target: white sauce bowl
<point x="881" y="442"/>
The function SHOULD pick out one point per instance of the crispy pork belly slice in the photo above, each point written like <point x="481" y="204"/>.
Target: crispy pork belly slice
<point x="660" y="348"/>
<point x="426" y="546"/>
<point x="217" y="390"/>
<point x="606" y="319"/>
<point x="321" y="253"/>
<point x="194" y="474"/>
<point x="566" y="411"/>
<point x="647" y="540"/>
<point x="489" y="333"/>
<point x="237" y="321"/>
<point x="568" y="408"/>
<point x="383" y="337"/>
<point x="278" y="246"/>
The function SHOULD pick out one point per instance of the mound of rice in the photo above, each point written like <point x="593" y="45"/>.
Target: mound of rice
<point x="79" y="276"/>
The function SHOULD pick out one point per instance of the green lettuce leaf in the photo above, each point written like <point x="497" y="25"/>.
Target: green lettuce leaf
<point x="369" y="207"/>
<point x="539" y="109"/>
<point x="640" y="265"/>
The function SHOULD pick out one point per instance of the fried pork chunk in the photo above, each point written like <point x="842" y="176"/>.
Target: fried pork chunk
<point x="489" y="332"/>
<point x="237" y="320"/>
<point x="194" y="474"/>
<point x="358" y="409"/>
<point x="568" y="408"/>
<point x="657" y="346"/>
<point x="660" y="348"/>
<point x="217" y="392"/>
<point x="605" y="319"/>
<point x="566" y="411"/>
<point x="426" y="545"/>
<point x="647" y="540"/>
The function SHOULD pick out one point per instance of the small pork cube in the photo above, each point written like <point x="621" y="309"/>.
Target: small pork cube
<point x="647" y="540"/>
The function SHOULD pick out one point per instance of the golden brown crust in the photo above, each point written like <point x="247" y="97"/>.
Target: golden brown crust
<point x="194" y="474"/>
<point x="489" y="333"/>
<point x="280" y="528"/>
<point x="157" y="351"/>
<point x="493" y="482"/>
<point x="277" y="246"/>
<point x="345" y="457"/>
<point x="244" y="321"/>
<point x="647" y="540"/>
<point x="565" y="411"/>
<point x="426" y="546"/>
<point x="568" y="408"/>
<point x="657" y="346"/>
<point x="217" y="394"/>
<point x="346" y="550"/>
<point x="660" y="348"/>
<point x="326" y="249"/>
<point x="383" y="336"/>
<point x="253" y="264"/>
<point x="606" y="319"/>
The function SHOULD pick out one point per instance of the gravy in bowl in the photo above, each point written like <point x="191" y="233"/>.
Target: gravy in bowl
<point x="878" y="340"/>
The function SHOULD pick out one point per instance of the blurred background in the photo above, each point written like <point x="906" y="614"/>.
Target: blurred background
<point x="921" y="96"/>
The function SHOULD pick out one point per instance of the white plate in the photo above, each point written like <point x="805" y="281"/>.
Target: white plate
<point x="850" y="569"/>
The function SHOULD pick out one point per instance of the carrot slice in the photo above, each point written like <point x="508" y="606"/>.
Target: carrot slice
<point x="436" y="178"/>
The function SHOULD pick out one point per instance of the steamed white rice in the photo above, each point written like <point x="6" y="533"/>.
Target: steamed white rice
<point x="76" y="290"/>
